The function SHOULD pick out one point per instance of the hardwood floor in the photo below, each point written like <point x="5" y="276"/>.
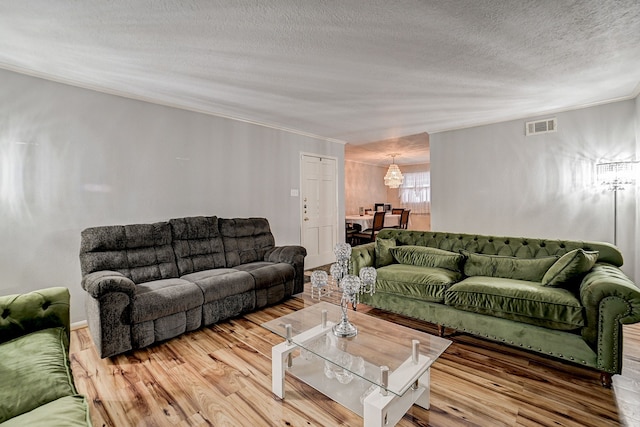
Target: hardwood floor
<point x="221" y="376"/>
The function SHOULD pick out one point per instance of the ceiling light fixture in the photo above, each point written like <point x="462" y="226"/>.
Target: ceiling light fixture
<point x="393" y="178"/>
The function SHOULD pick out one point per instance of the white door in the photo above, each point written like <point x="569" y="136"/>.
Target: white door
<point x="319" y="209"/>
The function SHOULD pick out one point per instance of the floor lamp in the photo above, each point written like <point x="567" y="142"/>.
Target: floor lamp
<point x="616" y="176"/>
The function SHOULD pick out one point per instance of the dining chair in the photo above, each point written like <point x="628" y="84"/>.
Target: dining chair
<point x="404" y="218"/>
<point x="350" y="231"/>
<point x="397" y="211"/>
<point x="369" y="235"/>
<point x="378" y="207"/>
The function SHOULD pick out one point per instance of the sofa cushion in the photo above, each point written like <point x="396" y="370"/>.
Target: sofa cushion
<point x="245" y="239"/>
<point x="529" y="269"/>
<point x="425" y="256"/>
<point x="197" y="244"/>
<point x="68" y="411"/>
<point x="571" y="267"/>
<point x="383" y="253"/>
<point x="221" y="282"/>
<point x="142" y="252"/>
<point x="424" y="283"/>
<point x="164" y="297"/>
<point x="523" y="301"/>
<point x="34" y="371"/>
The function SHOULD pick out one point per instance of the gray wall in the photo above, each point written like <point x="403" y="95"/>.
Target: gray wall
<point x="72" y="158"/>
<point x="495" y="180"/>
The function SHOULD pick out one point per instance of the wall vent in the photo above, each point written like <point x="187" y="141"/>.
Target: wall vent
<point x="541" y="126"/>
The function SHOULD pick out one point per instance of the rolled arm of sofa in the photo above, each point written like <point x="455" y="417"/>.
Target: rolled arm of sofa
<point x="362" y="256"/>
<point x="100" y="283"/>
<point x="108" y="309"/>
<point x="610" y="299"/>
<point x="25" y="313"/>
<point x="291" y="254"/>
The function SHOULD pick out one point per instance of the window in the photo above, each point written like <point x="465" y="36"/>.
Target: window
<point x="415" y="192"/>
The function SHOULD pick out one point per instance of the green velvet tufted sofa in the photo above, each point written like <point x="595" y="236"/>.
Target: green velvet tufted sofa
<point x="37" y="387"/>
<point x="564" y="299"/>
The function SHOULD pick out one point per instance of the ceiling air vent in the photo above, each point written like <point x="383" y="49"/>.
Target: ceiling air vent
<point x="541" y="126"/>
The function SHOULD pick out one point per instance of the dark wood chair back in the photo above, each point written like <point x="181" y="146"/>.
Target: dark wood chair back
<point x="396" y="211"/>
<point x="369" y="235"/>
<point x="378" y="221"/>
<point x="404" y="218"/>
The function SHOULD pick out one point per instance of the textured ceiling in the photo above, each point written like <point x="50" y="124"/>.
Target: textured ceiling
<point x="406" y="150"/>
<point x="353" y="71"/>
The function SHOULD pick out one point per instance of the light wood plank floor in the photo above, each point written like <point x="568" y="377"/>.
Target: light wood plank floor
<point x="221" y="376"/>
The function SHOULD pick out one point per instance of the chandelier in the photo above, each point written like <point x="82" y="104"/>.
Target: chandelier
<point x="393" y="178"/>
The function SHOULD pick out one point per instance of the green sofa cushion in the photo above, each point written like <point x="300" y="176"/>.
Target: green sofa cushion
<point x="425" y="256"/>
<point x="523" y="301"/>
<point x="68" y="411"/>
<point x="383" y="255"/>
<point x="35" y="370"/>
<point x="424" y="283"/>
<point x="507" y="267"/>
<point x="571" y="267"/>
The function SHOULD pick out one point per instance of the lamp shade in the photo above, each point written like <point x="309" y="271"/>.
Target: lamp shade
<point x="617" y="175"/>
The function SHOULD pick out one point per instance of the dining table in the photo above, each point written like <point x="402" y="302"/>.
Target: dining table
<point x="366" y="221"/>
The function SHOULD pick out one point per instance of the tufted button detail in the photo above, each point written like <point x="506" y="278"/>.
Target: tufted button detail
<point x="46" y="305"/>
<point x="562" y="245"/>
<point x="475" y="239"/>
<point x="525" y="243"/>
<point x="542" y="245"/>
<point x="490" y="240"/>
<point x="506" y="242"/>
<point x="459" y="237"/>
<point x="5" y="313"/>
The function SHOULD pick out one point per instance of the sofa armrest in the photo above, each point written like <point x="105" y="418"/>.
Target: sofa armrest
<point x="293" y="255"/>
<point x="290" y="254"/>
<point x="25" y="313"/>
<point x="362" y="256"/>
<point x="100" y="283"/>
<point x="610" y="299"/>
<point x="108" y="308"/>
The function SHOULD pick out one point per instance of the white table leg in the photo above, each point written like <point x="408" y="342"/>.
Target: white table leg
<point x="279" y="360"/>
<point x="380" y="410"/>
<point x="425" y="382"/>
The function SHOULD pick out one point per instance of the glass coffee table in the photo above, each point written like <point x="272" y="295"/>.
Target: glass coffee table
<point x="377" y="374"/>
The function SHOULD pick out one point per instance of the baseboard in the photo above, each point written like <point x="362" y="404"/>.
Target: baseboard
<point x="78" y="325"/>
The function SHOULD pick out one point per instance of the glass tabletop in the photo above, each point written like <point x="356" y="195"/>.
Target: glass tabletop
<point x="378" y="344"/>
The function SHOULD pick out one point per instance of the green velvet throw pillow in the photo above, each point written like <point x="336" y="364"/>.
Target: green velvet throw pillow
<point x="383" y="256"/>
<point x="507" y="267"/>
<point x="35" y="371"/>
<point x="424" y="256"/>
<point x="570" y="266"/>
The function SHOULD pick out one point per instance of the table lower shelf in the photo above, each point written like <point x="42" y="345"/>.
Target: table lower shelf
<point x="348" y="395"/>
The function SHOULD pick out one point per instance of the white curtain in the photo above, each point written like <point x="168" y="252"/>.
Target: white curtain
<point x="415" y="192"/>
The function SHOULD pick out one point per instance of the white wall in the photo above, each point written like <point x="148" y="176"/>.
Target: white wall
<point x="495" y="180"/>
<point x="637" y="256"/>
<point x="72" y="158"/>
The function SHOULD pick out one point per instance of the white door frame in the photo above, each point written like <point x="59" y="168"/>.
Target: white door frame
<point x="337" y="196"/>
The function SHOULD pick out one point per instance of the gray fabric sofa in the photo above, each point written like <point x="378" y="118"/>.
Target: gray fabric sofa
<point x="147" y="283"/>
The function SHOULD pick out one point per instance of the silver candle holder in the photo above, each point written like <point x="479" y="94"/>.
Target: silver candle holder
<point x="352" y="287"/>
